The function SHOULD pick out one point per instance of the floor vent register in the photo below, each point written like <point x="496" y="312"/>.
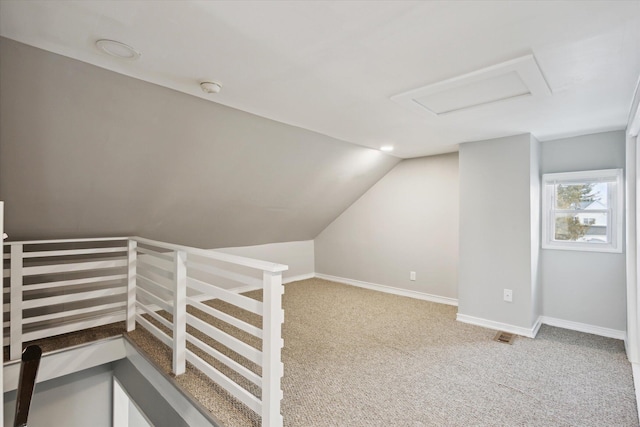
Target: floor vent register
<point x="504" y="337"/>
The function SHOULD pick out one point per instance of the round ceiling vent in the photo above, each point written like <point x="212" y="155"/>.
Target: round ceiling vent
<point x="117" y="49"/>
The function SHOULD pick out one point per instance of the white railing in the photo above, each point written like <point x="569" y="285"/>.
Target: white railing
<point x="61" y="286"/>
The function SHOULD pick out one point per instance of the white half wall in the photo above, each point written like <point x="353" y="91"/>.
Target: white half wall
<point x="299" y="256"/>
<point x="408" y="221"/>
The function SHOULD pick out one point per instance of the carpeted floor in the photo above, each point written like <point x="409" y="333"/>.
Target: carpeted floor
<point x="355" y="357"/>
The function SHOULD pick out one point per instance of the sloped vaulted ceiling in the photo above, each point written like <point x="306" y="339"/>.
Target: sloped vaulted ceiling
<point x="88" y="152"/>
<point x="333" y="66"/>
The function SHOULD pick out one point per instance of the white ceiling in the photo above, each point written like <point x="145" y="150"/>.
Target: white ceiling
<point x="332" y="67"/>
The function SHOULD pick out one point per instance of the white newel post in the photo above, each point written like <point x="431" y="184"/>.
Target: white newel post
<point x="15" y="316"/>
<point x="132" y="258"/>
<point x="272" y="343"/>
<point x="180" y="313"/>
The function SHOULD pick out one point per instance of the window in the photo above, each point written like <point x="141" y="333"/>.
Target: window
<point x="582" y="210"/>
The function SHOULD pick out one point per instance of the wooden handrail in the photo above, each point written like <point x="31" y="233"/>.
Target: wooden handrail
<point x="28" y="371"/>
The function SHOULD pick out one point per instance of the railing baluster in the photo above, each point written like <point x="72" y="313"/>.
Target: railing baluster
<point x="15" y="317"/>
<point x="272" y="343"/>
<point x="180" y="313"/>
<point x="132" y="257"/>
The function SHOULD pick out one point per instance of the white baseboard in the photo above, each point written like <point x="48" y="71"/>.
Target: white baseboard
<point x="583" y="327"/>
<point x="297" y="278"/>
<point x="390" y="290"/>
<point x="551" y="321"/>
<point x="499" y="326"/>
<point x="536" y="326"/>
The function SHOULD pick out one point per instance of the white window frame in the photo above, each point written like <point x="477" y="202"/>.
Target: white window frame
<point x="614" y="210"/>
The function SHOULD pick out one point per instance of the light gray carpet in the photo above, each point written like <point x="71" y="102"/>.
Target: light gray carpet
<point x="355" y="357"/>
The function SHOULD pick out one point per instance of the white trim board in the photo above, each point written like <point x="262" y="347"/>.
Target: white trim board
<point x="499" y="326"/>
<point x="583" y="327"/>
<point x="551" y="321"/>
<point x="297" y="278"/>
<point x="390" y="290"/>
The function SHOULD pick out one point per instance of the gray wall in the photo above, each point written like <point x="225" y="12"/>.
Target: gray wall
<point x="407" y="222"/>
<point x="77" y="400"/>
<point x="497" y="204"/>
<point x="585" y="287"/>
<point x="87" y="152"/>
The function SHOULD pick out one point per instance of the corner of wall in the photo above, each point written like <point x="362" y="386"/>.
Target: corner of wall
<point x="395" y="228"/>
<point x="491" y="260"/>
<point x="536" y="214"/>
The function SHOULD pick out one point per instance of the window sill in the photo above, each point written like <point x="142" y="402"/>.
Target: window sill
<point x="582" y="248"/>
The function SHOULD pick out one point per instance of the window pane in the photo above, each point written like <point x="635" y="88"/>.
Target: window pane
<point x="581" y="227"/>
<point x="587" y="196"/>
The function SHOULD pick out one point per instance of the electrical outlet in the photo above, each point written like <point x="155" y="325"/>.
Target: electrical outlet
<point x="508" y="295"/>
<point x="412" y="275"/>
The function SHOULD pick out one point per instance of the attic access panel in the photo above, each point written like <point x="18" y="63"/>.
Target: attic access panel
<point x="503" y="82"/>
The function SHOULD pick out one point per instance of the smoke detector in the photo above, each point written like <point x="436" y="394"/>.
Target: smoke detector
<point x="210" y="87"/>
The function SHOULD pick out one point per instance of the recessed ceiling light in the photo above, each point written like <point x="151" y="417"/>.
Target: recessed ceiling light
<point x="117" y="49"/>
<point x="386" y="148"/>
<point x="210" y="87"/>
